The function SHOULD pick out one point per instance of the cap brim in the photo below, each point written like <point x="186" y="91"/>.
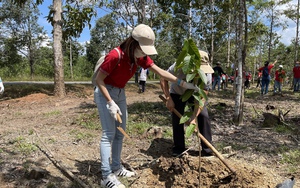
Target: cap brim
<point x="149" y="50"/>
<point x="207" y="69"/>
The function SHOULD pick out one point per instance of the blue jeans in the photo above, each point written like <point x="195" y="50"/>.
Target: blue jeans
<point x="265" y="85"/>
<point x="296" y="84"/>
<point x="277" y="85"/>
<point x="112" y="139"/>
<point x="216" y="80"/>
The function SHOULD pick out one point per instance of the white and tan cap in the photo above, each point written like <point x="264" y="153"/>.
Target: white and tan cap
<point x="146" y="37"/>
<point x="205" y="67"/>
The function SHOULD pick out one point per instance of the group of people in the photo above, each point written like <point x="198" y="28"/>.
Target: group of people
<point x="264" y="78"/>
<point x="109" y="95"/>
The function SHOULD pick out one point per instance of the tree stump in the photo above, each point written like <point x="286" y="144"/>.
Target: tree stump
<point x="270" y="120"/>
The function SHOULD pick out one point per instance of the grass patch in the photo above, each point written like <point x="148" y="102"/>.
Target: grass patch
<point x="89" y="121"/>
<point x="282" y="129"/>
<point x="292" y="158"/>
<point x="82" y="135"/>
<point x="23" y="146"/>
<point x="137" y="128"/>
<point x="52" y="113"/>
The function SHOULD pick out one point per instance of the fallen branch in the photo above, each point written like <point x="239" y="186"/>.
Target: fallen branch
<point x="286" y="113"/>
<point x="57" y="164"/>
<point x="255" y="110"/>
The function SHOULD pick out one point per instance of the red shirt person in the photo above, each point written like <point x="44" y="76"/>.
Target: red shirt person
<point x="296" y="72"/>
<point x="266" y="70"/>
<point x="279" y="76"/>
<point x="109" y="95"/>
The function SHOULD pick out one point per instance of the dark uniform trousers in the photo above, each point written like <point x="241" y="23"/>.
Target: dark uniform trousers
<point x="178" y="129"/>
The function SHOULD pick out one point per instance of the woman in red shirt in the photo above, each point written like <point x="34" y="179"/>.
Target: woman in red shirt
<point x="109" y="95"/>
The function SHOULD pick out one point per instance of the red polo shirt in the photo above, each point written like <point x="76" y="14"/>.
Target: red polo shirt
<point x="296" y="71"/>
<point x="118" y="74"/>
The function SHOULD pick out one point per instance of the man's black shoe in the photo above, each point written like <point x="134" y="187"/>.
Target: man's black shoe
<point x="206" y="154"/>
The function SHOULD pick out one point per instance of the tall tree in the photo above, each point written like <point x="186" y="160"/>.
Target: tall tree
<point x="272" y="11"/>
<point x="241" y="54"/>
<point x="293" y="13"/>
<point x="22" y="25"/>
<point x="68" y="23"/>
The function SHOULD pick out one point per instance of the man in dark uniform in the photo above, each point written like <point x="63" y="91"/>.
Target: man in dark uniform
<point x="174" y="101"/>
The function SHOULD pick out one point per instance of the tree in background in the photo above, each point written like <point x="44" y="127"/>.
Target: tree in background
<point x="21" y="25"/>
<point x="11" y="62"/>
<point x="68" y="23"/>
<point x="293" y="13"/>
<point x="106" y="35"/>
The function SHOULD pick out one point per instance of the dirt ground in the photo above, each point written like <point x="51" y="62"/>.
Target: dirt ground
<point x="43" y="144"/>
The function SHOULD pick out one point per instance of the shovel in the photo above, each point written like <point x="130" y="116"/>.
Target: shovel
<point x="203" y="139"/>
<point x="120" y="128"/>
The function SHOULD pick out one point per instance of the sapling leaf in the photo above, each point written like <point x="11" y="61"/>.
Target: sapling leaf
<point x="186" y="64"/>
<point x="184" y="119"/>
<point x="187" y="94"/>
<point x="193" y="50"/>
<point x="199" y="99"/>
<point x="202" y="76"/>
<point x="190" y="77"/>
<point x="189" y="130"/>
<point x="180" y="58"/>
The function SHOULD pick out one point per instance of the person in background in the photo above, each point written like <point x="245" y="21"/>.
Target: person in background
<point x="265" y="81"/>
<point x="296" y="72"/>
<point x="173" y="97"/>
<point x="1" y="87"/>
<point x="259" y="75"/>
<point x="248" y="77"/>
<point x="109" y="95"/>
<point x="143" y="75"/>
<point x="218" y="71"/>
<point x="209" y="80"/>
<point x="279" y="76"/>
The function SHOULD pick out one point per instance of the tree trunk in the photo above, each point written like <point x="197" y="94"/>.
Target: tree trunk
<point x="239" y="101"/>
<point x="297" y="33"/>
<point x="271" y="34"/>
<point x="71" y="59"/>
<point x="228" y="38"/>
<point x="212" y="32"/>
<point x="59" y="85"/>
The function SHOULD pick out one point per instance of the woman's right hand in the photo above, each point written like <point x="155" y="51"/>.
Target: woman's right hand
<point x="113" y="109"/>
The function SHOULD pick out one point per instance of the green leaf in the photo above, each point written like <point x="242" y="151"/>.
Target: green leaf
<point x="199" y="99"/>
<point x="203" y="94"/>
<point x="186" y="64"/>
<point x="187" y="94"/>
<point x="189" y="130"/>
<point x="184" y="119"/>
<point x="202" y="76"/>
<point x="193" y="50"/>
<point x="180" y="59"/>
<point x="190" y="77"/>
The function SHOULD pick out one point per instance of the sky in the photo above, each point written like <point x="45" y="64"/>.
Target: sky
<point x="286" y="35"/>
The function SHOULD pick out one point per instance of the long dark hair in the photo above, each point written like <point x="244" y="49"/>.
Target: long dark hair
<point x="128" y="46"/>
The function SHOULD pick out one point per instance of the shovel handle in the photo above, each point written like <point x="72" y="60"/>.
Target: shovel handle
<point x="204" y="140"/>
<point x="120" y="128"/>
<point x="119" y="118"/>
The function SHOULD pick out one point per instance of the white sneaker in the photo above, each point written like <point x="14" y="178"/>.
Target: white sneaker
<point x="123" y="172"/>
<point x="111" y="182"/>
